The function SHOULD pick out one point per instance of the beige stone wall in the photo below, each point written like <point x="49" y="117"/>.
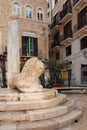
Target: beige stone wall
<point x="26" y="24"/>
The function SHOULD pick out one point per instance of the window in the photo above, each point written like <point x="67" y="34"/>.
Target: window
<point x="56" y="40"/>
<point x="68" y="30"/>
<point x="40" y="14"/>
<point x="16" y="8"/>
<point x="68" y="50"/>
<point x="82" y="18"/>
<point x="56" y="36"/>
<point x="57" y="55"/>
<point x="29" y="46"/>
<point x="28" y="11"/>
<point x="83" y="43"/>
<point x="83" y="73"/>
<point x="56" y="19"/>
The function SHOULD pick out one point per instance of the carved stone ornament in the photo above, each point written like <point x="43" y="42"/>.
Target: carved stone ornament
<point x="28" y="79"/>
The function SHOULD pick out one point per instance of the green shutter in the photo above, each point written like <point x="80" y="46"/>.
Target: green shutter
<point x="35" y="47"/>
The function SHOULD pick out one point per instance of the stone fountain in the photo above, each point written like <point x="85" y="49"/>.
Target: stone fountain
<point x="26" y="105"/>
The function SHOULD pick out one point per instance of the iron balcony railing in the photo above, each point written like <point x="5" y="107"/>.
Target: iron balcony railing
<point x="65" y="36"/>
<point x="61" y="39"/>
<point x="75" y="1"/>
<point x="64" y="12"/>
<point x="54" y="44"/>
<point x="68" y="35"/>
<point x="56" y="20"/>
<point x="54" y="24"/>
<point x="78" y="27"/>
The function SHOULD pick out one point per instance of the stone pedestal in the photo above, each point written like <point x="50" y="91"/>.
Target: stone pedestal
<point x="45" y="110"/>
<point x="29" y="106"/>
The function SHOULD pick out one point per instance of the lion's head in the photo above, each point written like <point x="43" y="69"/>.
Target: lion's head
<point x="28" y="79"/>
<point x="33" y="67"/>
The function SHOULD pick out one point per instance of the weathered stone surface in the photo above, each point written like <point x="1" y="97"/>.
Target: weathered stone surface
<point x="9" y="97"/>
<point x="15" y="95"/>
<point x="47" y="113"/>
<point x="50" y="124"/>
<point x="37" y="108"/>
<point x="69" y="118"/>
<point x="32" y="105"/>
<point x="9" y="94"/>
<point x="14" y="116"/>
<point x="8" y="126"/>
<point x="35" y="115"/>
<point x="28" y="79"/>
<point x="42" y="125"/>
<point x="70" y="104"/>
<point x="46" y="94"/>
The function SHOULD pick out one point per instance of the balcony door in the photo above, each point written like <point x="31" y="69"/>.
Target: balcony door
<point x="82" y="18"/>
<point x="29" y="46"/>
<point x="68" y="30"/>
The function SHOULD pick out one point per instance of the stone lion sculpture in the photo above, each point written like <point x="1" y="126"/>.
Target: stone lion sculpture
<point x="28" y="79"/>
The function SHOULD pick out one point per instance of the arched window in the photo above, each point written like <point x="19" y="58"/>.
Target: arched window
<point x="40" y="14"/>
<point x="16" y="8"/>
<point x="28" y="11"/>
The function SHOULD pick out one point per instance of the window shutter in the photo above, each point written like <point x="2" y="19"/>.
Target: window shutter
<point x="23" y="46"/>
<point x="86" y="15"/>
<point x="35" y="47"/>
<point x="24" y="41"/>
<point x="79" y="21"/>
<point x="38" y="15"/>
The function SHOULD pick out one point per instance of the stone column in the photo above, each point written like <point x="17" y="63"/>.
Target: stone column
<point x="1" y="45"/>
<point x="0" y="42"/>
<point x="13" y="48"/>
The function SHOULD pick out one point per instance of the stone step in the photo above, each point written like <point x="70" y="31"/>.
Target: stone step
<point x="50" y="124"/>
<point x="32" y="105"/>
<point x="36" y="115"/>
<point x="65" y="128"/>
<point x="70" y="104"/>
<point x="15" y="95"/>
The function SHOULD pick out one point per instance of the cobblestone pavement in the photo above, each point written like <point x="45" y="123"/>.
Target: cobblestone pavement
<point x="81" y="100"/>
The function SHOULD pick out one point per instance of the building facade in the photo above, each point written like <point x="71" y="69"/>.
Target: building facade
<point x="31" y="31"/>
<point x="68" y="37"/>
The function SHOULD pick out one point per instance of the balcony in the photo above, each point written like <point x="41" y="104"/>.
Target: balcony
<point x="54" y="45"/>
<point x="56" y="22"/>
<point x="75" y="2"/>
<point x="65" y="15"/>
<point x="80" y="30"/>
<point x="66" y="39"/>
<point x="54" y="26"/>
<point x="78" y="4"/>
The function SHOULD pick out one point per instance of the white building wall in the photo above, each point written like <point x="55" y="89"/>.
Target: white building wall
<point x="77" y="59"/>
